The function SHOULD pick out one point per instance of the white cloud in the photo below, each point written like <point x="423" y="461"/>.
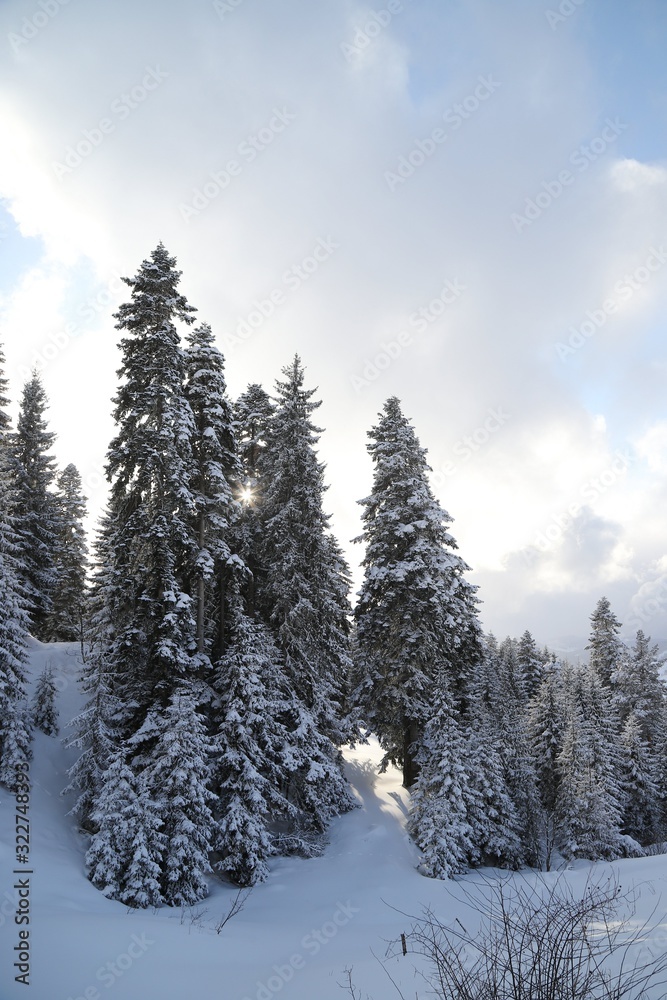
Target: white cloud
<point x="323" y="177"/>
<point x="632" y="176"/>
<point x="652" y="447"/>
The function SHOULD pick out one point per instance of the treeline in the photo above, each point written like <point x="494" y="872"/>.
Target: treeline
<point x="550" y="762"/>
<point x="225" y="667"/>
<point x="43" y="562"/>
<point x="511" y="755"/>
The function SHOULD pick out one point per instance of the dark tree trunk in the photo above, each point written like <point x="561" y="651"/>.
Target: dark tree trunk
<point x="201" y="588"/>
<point x="222" y="609"/>
<point x="250" y="590"/>
<point x="410" y="766"/>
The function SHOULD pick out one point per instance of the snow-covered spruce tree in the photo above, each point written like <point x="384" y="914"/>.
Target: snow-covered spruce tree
<point x="96" y="740"/>
<point x="176" y="777"/>
<point x="495" y="822"/>
<point x="509" y="809"/>
<point x="253" y="413"/>
<point x="215" y="466"/>
<point x="34" y="507"/>
<point x="416" y="615"/>
<point x="123" y="859"/>
<point x="604" y="644"/>
<point x="44" y="711"/>
<point x="521" y="782"/>
<point x="441" y="797"/>
<point x="16" y="745"/>
<point x="14" y="622"/>
<point x="315" y="782"/>
<point x="639" y="781"/>
<point x="250" y="743"/>
<point x="510" y="672"/>
<point x="5" y="419"/>
<point x="546" y="732"/>
<point x="589" y="802"/>
<point x="144" y="627"/>
<point x="95" y="730"/>
<point x="151" y="635"/>
<point x="531" y="664"/>
<point x="66" y="618"/>
<point x="638" y="688"/>
<point x="602" y="728"/>
<point x="301" y="595"/>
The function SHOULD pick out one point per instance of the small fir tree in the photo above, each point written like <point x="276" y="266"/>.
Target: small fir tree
<point x="124" y="856"/>
<point x="44" y="711"/>
<point x="176" y="777"/>
<point x="639" y="781"/>
<point x="441" y="797"/>
<point x="249" y="768"/>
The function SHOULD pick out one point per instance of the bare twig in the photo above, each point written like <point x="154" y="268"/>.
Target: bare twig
<point x="533" y="938"/>
<point x="238" y="903"/>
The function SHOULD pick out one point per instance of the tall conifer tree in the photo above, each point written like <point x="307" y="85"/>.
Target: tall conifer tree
<point x="152" y="509"/>
<point x="14" y="621"/>
<point x="144" y="670"/>
<point x="303" y="596"/>
<point x="66" y="618"/>
<point x="416" y="612"/>
<point x="215" y="466"/>
<point x="34" y="505"/>
<point x="604" y="644"/>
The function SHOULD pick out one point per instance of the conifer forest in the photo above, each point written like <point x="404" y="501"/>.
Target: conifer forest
<point x="225" y="667"/>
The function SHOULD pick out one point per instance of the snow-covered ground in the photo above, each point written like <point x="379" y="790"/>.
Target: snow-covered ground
<point x="297" y="932"/>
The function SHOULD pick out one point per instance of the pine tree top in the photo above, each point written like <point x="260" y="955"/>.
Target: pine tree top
<point x="32" y="434"/>
<point x="154" y="297"/>
<point x="5" y="421"/>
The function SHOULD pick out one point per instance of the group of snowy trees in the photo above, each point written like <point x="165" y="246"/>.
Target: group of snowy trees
<point x="552" y="759"/>
<point x="510" y="754"/>
<point x="42" y="566"/>
<point x="220" y="646"/>
<point x="225" y="669"/>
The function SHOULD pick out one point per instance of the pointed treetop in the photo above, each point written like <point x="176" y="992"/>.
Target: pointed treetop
<point x="5" y="421"/>
<point x="604" y="645"/>
<point x="154" y="294"/>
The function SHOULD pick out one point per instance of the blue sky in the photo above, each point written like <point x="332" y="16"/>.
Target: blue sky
<point x="495" y="148"/>
<point x="17" y="253"/>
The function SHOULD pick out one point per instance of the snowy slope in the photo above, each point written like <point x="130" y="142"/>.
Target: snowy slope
<point x="296" y="934"/>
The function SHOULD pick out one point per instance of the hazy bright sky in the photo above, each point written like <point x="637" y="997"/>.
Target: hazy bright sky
<point x="459" y="202"/>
